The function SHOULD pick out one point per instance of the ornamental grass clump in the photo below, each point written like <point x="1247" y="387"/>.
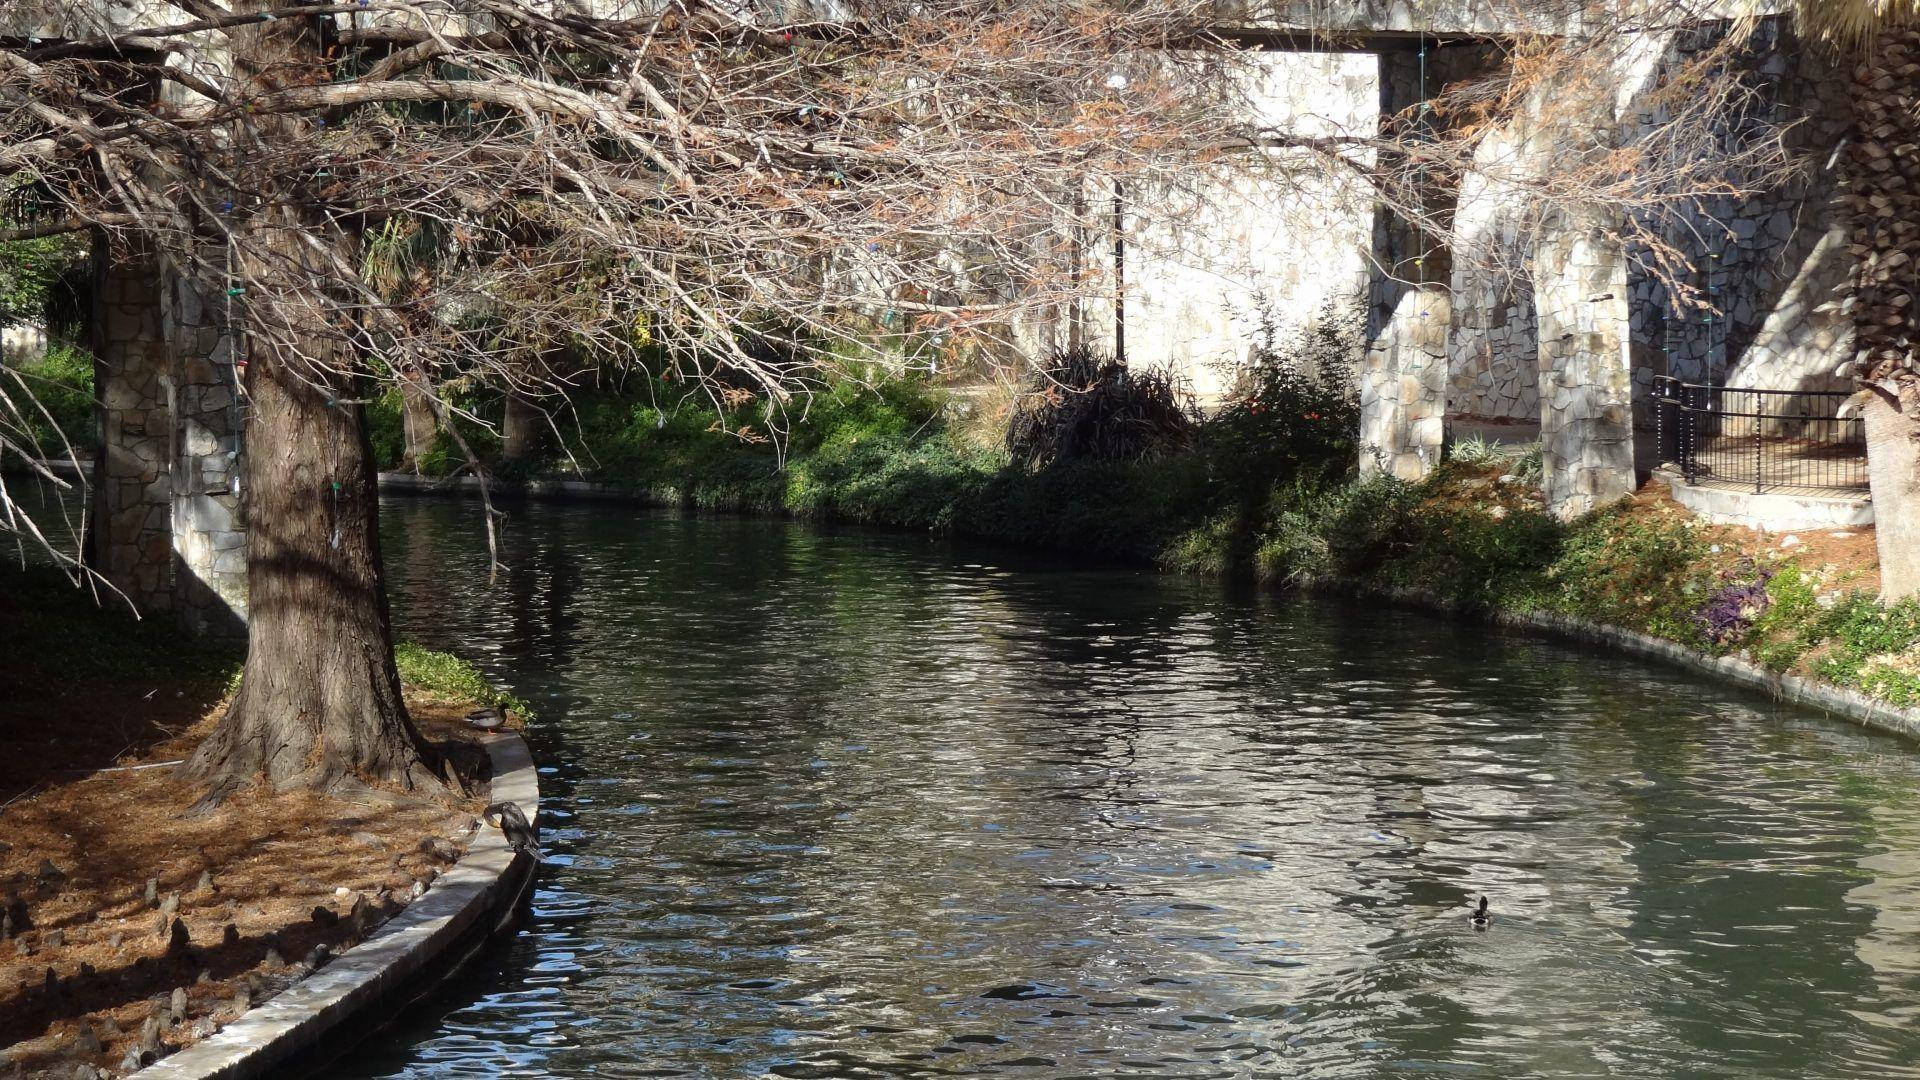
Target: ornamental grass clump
<point x="1081" y="406"/>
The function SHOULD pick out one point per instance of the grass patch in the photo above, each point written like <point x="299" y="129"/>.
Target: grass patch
<point x="448" y="676"/>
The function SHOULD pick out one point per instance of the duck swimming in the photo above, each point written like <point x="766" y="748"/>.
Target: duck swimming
<point x="487" y="719"/>
<point x="1481" y="917"/>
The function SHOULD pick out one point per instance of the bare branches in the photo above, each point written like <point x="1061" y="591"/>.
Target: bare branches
<point x="460" y="187"/>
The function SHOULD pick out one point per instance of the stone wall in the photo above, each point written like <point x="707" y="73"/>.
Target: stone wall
<point x="168" y="529"/>
<point x="1767" y="263"/>
<point x="1493" y="344"/>
<point x="19" y="343"/>
<point x="209" y="538"/>
<point x="1585" y="367"/>
<point x="132" y="538"/>
<point x="1404" y="376"/>
<point x="1235" y="255"/>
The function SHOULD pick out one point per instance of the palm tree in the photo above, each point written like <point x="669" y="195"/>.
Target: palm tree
<point x="1848" y="23"/>
<point x="1886" y="36"/>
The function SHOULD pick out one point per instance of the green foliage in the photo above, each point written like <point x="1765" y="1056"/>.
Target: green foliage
<point x="386" y="429"/>
<point x="1292" y="416"/>
<point x="449" y="676"/>
<point x="1645" y="573"/>
<point x="54" y="631"/>
<point x="62" y="382"/>
<point x="29" y="271"/>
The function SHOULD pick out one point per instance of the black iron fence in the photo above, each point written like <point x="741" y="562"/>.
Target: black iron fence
<point x="1790" y="441"/>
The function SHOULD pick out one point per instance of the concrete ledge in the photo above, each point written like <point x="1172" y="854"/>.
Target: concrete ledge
<point x="366" y="987"/>
<point x="412" y="484"/>
<point x="1767" y="511"/>
<point x="1834" y="700"/>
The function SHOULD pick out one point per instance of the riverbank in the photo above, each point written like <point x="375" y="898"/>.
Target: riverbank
<point x="1265" y="491"/>
<point x="130" y="929"/>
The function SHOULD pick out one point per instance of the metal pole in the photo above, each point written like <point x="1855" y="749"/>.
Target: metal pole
<point x="1119" y="278"/>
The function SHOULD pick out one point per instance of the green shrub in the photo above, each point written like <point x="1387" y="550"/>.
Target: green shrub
<point x="1651" y="574"/>
<point x="386" y="429"/>
<point x="62" y="382"/>
<point x="1292" y="415"/>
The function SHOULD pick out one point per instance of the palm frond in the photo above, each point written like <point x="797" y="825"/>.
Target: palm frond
<point x="1848" y="24"/>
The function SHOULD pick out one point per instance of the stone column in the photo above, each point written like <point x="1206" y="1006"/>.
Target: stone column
<point x="1403" y="388"/>
<point x="1586" y="367"/>
<point x="208" y="525"/>
<point x="132" y="493"/>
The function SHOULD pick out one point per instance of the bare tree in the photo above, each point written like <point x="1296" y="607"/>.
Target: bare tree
<point x="748" y="187"/>
<point x="419" y="191"/>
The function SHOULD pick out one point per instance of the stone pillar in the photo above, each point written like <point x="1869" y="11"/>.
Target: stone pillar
<point x="1403" y="387"/>
<point x="1586" y="367"/>
<point x="132" y="493"/>
<point x="208" y="526"/>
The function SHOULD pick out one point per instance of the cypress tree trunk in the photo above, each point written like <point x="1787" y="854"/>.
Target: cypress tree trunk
<point x="419" y="422"/>
<point x="319" y="702"/>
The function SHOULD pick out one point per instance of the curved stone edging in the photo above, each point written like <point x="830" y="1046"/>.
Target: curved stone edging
<point x="405" y="959"/>
<point x="1849" y="704"/>
<point x="410" y="484"/>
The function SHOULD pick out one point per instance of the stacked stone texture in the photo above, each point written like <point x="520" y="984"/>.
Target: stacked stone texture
<point x="1765" y="265"/>
<point x="1586" y="372"/>
<point x="209" y="537"/>
<point x="167" y="505"/>
<point x="133" y="493"/>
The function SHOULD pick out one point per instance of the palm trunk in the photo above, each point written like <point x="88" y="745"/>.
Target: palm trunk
<point x="1893" y="469"/>
<point x="519" y="429"/>
<point x="419" y="422"/>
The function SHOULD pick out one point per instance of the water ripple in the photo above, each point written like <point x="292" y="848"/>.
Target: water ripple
<point x="828" y="803"/>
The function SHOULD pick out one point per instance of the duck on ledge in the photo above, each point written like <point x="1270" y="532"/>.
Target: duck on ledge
<point x="491" y="718"/>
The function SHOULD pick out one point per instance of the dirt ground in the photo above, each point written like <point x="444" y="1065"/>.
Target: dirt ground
<point x="127" y="926"/>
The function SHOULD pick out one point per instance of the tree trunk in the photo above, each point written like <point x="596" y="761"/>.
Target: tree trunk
<point x="519" y="429"/>
<point x="1893" y="469"/>
<point x="419" y="422"/>
<point x="319" y="702"/>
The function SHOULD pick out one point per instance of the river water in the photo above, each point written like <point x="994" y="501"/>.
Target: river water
<point x="834" y="803"/>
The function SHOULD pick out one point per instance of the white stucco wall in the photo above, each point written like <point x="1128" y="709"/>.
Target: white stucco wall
<point x="1291" y="237"/>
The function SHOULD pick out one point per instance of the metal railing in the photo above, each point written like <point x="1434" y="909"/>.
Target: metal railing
<point x="1789" y="441"/>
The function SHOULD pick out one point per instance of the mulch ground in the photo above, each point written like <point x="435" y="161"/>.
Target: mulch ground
<point x="129" y="927"/>
<point x="1845" y="557"/>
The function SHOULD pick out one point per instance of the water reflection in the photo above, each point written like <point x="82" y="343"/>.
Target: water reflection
<point x="848" y="804"/>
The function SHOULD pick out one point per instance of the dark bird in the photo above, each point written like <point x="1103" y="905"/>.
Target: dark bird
<point x="506" y="817"/>
<point x="487" y="719"/>
<point x="1481" y="917"/>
